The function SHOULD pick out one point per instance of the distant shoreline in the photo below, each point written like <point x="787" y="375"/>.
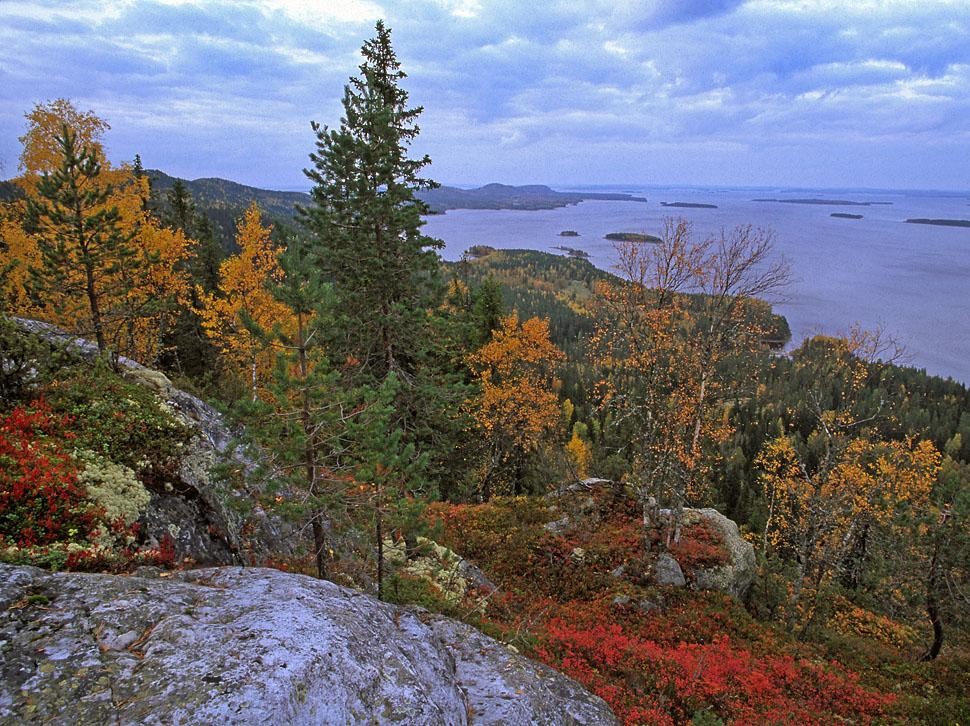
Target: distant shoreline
<point x="941" y="222"/>
<point x="829" y="202"/>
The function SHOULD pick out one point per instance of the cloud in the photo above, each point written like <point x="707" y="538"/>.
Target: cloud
<point x="561" y="91"/>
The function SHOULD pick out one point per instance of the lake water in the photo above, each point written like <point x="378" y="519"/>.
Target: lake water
<point x="912" y="280"/>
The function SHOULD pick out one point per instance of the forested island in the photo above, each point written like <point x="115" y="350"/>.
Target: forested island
<point x="833" y="202"/>
<point x="569" y="233"/>
<point x="631" y="237"/>
<point x="316" y="473"/>
<point x="941" y="222"/>
<point x="688" y="205"/>
<point x="504" y="196"/>
<point x="845" y="215"/>
<point x="573" y="252"/>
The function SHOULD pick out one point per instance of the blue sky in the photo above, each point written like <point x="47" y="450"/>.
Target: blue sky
<point x="869" y="93"/>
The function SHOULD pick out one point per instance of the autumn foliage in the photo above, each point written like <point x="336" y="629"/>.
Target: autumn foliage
<point x="517" y="408"/>
<point x="656" y="657"/>
<point x="244" y="304"/>
<point x="136" y="286"/>
<point x="41" y="499"/>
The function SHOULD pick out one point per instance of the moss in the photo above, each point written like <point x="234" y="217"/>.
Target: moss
<point x="119" y="421"/>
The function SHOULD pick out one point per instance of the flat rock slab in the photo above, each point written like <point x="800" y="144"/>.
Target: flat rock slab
<point x="249" y="645"/>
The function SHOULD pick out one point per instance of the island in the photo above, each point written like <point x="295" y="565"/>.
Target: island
<point x="569" y="233"/>
<point x="845" y="215"/>
<point x="941" y="222"/>
<point x="631" y="237"/>
<point x="833" y="202"/>
<point x="504" y="196"/>
<point x="477" y="252"/>
<point x="689" y="205"/>
<point x="573" y="252"/>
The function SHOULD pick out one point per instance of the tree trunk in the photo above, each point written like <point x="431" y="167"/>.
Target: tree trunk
<point x="932" y="606"/>
<point x="379" y="527"/>
<point x="93" y="304"/>
<point x="253" y="376"/>
<point x="310" y="456"/>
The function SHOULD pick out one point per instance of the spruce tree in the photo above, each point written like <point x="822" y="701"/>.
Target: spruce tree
<point x="367" y="222"/>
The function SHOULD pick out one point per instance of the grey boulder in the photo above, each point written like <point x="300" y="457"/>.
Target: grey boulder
<point x="235" y="645"/>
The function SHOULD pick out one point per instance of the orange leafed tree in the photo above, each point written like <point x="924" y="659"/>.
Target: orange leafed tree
<point x="517" y="407"/>
<point x="137" y="295"/>
<point x="244" y="296"/>
<point x="663" y="339"/>
<point x="831" y="492"/>
<point x="819" y="514"/>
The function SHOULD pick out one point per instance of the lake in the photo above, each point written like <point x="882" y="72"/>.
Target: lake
<point x="913" y="280"/>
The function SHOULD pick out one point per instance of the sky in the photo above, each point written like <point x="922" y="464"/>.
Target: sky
<point x="799" y="93"/>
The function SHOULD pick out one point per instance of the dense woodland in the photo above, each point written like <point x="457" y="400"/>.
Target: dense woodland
<point x="394" y="398"/>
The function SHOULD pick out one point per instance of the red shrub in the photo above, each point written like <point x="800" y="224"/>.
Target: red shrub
<point x="685" y="653"/>
<point x="41" y="500"/>
<point x="644" y="681"/>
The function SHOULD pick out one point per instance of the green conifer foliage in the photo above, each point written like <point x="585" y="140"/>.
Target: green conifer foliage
<point x="367" y="222"/>
<point x="83" y="248"/>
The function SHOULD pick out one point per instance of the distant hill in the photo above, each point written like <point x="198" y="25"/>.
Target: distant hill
<point x="224" y="194"/>
<point x="504" y="196"/>
<point x="224" y="201"/>
<point x="213" y="193"/>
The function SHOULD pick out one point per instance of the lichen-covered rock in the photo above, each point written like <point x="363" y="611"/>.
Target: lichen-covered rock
<point x="451" y="574"/>
<point x="735" y="577"/>
<point x="667" y="571"/>
<point x="234" y="645"/>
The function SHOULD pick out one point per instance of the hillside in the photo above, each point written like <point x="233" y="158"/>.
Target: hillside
<point x="504" y="196"/>
<point x="224" y="201"/>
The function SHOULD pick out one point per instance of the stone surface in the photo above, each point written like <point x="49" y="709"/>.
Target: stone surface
<point x="667" y="572"/>
<point x="235" y="646"/>
<point x="737" y="576"/>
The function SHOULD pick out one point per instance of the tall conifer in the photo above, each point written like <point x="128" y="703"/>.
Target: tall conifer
<point x="367" y="221"/>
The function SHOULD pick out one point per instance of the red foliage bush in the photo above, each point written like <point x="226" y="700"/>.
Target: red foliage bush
<point x="700" y="546"/>
<point x="688" y="653"/>
<point x="41" y="500"/>
<point x="646" y="681"/>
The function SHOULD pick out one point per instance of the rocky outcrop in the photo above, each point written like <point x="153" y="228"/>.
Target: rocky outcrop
<point x="208" y="521"/>
<point x="571" y="502"/>
<point x="234" y="646"/>
<point x="738" y="574"/>
<point x="667" y="572"/>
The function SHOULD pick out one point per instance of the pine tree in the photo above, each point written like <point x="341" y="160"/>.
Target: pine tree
<point x="181" y="208"/>
<point x="189" y="349"/>
<point x="367" y="221"/>
<point x="76" y="233"/>
<point x="329" y="447"/>
<point x="488" y="309"/>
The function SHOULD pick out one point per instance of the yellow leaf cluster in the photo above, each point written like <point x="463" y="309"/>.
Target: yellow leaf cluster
<point x="581" y="454"/>
<point x="817" y="514"/>
<point x="517" y="406"/>
<point x="244" y="292"/>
